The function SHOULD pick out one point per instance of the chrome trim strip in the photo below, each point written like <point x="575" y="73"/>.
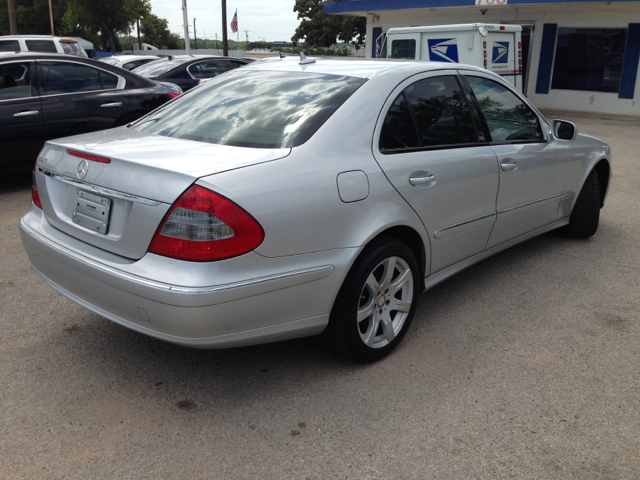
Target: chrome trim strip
<point x="100" y="190"/>
<point x="561" y="194"/>
<point x="466" y="222"/>
<point x="324" y="270"/>
<point x="441" y="275"/>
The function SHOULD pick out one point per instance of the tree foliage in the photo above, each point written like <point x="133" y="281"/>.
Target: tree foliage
<point x="322" y="30"/>
<point x="155" y="31"/>
<point x="32" y="17"/>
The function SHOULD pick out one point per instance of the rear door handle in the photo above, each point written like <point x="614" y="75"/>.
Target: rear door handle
<point x="424" y="180"/>
<point x="29" y="113"/>
<point x="509" y="165"/>
<point x="111" y="105"/>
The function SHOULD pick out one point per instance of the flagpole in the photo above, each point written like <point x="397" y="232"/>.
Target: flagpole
<point x="238" y="32"/>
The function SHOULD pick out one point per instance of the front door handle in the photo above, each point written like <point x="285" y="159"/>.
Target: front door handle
<point x="425" y="180"/>
<point x="111" y="105"/>
<point x="509" y="165"/>
<point x="29" y="113"/>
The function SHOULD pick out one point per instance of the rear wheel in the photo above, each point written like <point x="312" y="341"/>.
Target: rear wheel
<point x="585" y="216"/>
<point x="376" y="302"/>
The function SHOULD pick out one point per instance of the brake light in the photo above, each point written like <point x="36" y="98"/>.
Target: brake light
<point x="203" y="226"/>
<point x="35" y="196"/>
<point x="174" y="95"/>
<point x="68" y="40"/>
<point x="87" y="156"/>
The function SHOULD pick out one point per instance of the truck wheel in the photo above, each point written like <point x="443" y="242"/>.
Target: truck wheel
<point x="376" y="302"/>
<point x="585" y="216"/>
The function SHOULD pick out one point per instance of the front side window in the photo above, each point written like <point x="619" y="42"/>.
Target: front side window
<point x="65" y="77"/>
<point x="9" y="46"/>
<point x="253" y="109"/>
<point x="208" y="69"/>
<point x="15" y="81"/>
<point x="508" y="118"/>
<point x="405" y="49"/>
<point x="46" y="46"/>
<point x="589" y="59"/>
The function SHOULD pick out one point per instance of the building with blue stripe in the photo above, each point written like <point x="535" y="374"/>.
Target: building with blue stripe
<point x="578" y="55"/>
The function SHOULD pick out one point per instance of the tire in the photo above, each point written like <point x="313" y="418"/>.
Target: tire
<point x="364" y="325"/>
<point x="585" y="216"/>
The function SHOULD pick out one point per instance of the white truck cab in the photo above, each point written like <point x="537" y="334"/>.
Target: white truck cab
<point x="497" y="48"/>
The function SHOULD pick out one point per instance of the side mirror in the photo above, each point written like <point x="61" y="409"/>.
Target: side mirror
<point x="564" y="130"/>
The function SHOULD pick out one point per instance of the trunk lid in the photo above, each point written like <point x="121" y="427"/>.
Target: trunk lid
<point x="118" y="206"/>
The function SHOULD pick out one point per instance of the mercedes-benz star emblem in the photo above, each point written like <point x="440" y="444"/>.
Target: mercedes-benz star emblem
<point x="83" y="168"/>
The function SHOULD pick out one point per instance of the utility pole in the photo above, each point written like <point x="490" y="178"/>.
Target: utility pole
<point x="195" y="35"/>
<point x="138" y="22"/>
<point x="246" y="32"/>
<point x="51" y="19"/>
<point x="225" y="44"/>
<point x="185" y="22"/>
<point x="13" y="26"/>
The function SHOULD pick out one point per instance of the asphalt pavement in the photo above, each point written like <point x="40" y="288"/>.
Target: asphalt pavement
<point x="526" y="365"/>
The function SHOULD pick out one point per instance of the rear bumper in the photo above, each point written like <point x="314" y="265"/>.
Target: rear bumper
<point x="263" y="300"/>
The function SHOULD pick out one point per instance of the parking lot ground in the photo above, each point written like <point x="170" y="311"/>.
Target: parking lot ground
<point x="526" y="365"/>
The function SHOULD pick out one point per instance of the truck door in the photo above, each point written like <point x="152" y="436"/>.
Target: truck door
<point x="503" y="56"/>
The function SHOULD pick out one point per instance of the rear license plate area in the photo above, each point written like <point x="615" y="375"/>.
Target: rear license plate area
<point x="92" y="211"/>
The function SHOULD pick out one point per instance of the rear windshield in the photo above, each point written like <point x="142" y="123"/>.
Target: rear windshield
<point x="253" y="108"/>
<point x="155" y="69"/>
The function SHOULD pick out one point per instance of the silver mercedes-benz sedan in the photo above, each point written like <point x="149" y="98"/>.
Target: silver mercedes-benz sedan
<point x="295" y="198"/>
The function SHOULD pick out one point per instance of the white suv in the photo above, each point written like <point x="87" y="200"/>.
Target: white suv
<point x="41" y="43"/>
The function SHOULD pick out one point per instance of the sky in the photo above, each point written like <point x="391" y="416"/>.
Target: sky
<point x="272" y="20"/>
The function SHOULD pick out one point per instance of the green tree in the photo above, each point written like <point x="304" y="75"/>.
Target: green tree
<point x="100" y="21"/>
<point x="155" y="31"/>
<point x="322" y="30"/>
<point x="32" y="17"/>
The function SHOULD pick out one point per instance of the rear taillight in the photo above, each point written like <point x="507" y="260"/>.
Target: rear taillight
<point x="203" y="226"/>
<point x="35" y="196"/>
<point x="174" y="95"/>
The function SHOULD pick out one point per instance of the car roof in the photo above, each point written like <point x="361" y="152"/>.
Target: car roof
<point x="10" y="37"/>
<point x="355" y="68"/>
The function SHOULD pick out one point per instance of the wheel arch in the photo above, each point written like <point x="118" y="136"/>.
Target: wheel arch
<point x="412" y="239"/>
<point x="603" y="169"/>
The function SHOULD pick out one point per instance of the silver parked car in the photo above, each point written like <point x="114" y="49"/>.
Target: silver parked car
<point x="290" y="198"/>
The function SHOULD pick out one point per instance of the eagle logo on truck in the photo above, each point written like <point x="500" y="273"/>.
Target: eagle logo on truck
<point x="443" y="50"/>
<point x="500" y="52"/>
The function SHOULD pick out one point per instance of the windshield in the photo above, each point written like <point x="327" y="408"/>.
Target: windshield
<point x="157" y="68"/>
<point x="253" y="108"/>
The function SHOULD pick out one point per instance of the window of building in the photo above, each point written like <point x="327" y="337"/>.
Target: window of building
<point x="589" y="59"/>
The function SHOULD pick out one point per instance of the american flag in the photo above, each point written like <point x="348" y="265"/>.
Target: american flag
<point x="234" y="23"/>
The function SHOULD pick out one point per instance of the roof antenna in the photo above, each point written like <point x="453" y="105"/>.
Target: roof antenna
<point x="281" y="55"/>
<point x="304" y="60"/>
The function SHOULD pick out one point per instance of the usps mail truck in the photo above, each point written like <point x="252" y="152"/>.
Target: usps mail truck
<point x="497" y="48"/>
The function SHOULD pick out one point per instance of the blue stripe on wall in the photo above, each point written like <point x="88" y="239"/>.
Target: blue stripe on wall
<point x="377" y="31"/>
<point x="351" y="6"/>
<point x="547" y="50"/>
<point x="630" y="65"/>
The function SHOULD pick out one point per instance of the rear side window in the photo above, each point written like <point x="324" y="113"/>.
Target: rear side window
<point x="253" y="109"/>
<point x="46" y="46"/>
<point x="9" y="46"/>
<point x="403" y="49"/>
<point x="508" y="118"/>
<point x="208" y="69"/>
<point x="441" y="111"/>
<point x="65" y="77"/>
<point x="398" y="130"/>
<point x="72" y="48"/>
<point x="15" y="81"/>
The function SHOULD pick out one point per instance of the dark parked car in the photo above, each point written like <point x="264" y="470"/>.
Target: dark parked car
<point x="47" y="96"/>
<point x="186" y="71"/>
